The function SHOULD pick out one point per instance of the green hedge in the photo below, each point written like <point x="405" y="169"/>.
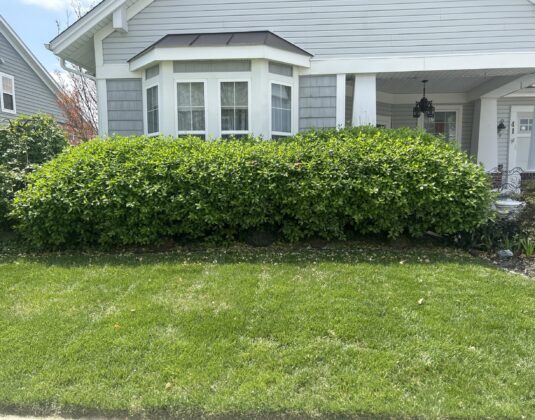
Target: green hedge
<point x="25" y="143"/>
<point x="137" y="191"/>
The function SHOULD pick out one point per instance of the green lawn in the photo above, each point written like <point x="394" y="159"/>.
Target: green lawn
<point x="348" y="330"/>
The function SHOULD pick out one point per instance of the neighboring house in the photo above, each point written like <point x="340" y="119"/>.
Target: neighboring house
<point x="275" y="67"/>
<point x="25" y="86"/>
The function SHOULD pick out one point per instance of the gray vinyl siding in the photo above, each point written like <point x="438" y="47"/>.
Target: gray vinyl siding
<point x="384" y="109"/>
<point x="208" y="66"/>
<point x="125" y="107"/>
<point x="402" y="116"/>
<point x="317" y="102"/>
<point x="504" y="113"/>
<point x="152" y="72"/>
<point x="468" y="124"/>
<point x="334" y="28"/>
<point x="32" y="95"/>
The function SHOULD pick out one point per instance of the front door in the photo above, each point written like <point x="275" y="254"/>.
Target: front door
<point x="520" y="138"/>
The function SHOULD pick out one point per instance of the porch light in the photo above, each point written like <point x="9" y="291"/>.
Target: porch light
<point x="425" y="106"/>
<point x="501" y="127"/>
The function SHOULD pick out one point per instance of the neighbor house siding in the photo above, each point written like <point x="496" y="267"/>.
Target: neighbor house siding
<point x="338" y="28"/>
<point x="125" y="107"/>
<point x="32" y="95"/>
<point x="317" y="102"/>
<point x="504" y="113"/>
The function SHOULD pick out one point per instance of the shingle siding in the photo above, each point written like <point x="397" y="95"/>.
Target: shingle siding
<point x="125" y="107"/>
<point x="32" y="95"/>
<point x="333" y="28"/>
<point x="317" y="102"/>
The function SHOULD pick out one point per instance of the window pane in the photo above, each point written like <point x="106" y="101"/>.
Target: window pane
<point x="152" y="110"/>
<point x="227" y="119"/>
<point x="227" y="94"/>
<point x="286" y="121"/>
<point x="198" y="120"/>
<point x="184" y="120"/>
<point x="281" y="108"/>
<point x="183" y="94"/>
<point x="7" y="85"/>
<point x="242" y="123"/>
<point x="197" y="94"/>
<point x="286" y="97"/>
<point x="9" y="104"/>
<point x="242" y="96"/>
<point x="276" y="101"/>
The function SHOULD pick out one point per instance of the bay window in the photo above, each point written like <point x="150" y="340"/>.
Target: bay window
<point x="234" y="98"/>
<point x="191" y="110"/>
<point x="281" y="109"/>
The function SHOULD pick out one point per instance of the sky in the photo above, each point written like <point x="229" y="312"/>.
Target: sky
<point x="36" y="22"/>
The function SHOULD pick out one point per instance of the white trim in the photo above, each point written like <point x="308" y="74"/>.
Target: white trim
<point x="4" y="109"/>
<point x="270" y="94"/>
<point x="120" y="21"/>
<point x="458" y="109"/>
<point x="237" y="132"/>
<point x="147" y="86"/>
<point x="18" y="44"/>
<point x="218" y="53"/>
<point x="512" y="150"/>
<point x="341" y="81"/>
<point x="102" y="105"/>
<point x="431" y="62"/>
<point x="205" y="87"/>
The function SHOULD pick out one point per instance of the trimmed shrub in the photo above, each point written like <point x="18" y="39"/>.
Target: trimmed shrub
<point x="25" y="143"/>
<point x="138" y="191"/>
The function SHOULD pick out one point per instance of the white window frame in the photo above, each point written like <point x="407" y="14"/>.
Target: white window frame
<point x="281" y="133"/>
<point x="4" y="109"/>
<point x="193" y="132"/>
<point x="146" y="111"/>
<point x="238" y="132"/>
<point x="458" y="109"/>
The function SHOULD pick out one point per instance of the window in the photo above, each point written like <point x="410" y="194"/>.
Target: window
<point x="8" y="94"/>
<point x="153" y="118"/>
<point x="447" y="122"/>
<point x="234" y="108"/>
<point x="191" y="108"/>
<point x="281" y="109"/>
<point x="525" y="125"/>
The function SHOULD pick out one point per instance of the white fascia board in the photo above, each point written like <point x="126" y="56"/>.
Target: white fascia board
<point x="218" y="53"/>
<point x="84" y="25"/>
<point x="394" y="64"/>
<point x="18" y="44"/>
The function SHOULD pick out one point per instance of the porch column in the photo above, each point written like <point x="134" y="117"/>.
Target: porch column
<point x="365" y="100"/>
<point x="487" y="151"/>
<point x="531" y="161"/>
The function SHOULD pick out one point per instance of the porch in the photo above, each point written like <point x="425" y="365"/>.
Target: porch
<point x="489" y="113"/>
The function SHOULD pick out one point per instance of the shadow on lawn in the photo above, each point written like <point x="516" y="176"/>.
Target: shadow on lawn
<point x="369" y="251"/>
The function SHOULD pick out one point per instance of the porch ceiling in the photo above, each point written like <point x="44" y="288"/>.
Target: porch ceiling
<point x="459" y="81"/>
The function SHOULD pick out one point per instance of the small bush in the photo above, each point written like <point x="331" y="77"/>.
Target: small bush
<point x="527" y="216"/>
<point x="25" y="143"/>
<point x="137" y="191"/>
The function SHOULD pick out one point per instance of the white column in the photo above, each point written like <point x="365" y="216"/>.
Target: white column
<point x="102" y="105"/>
<point x="365" y="100"/>
<point x="260" y="112"/>
<point x="213" y="113"/>
<point x="487" y="151"/>
<point x="531" y="160"/>
<point x="168" y="113"/>
<point x="340" y="101"/>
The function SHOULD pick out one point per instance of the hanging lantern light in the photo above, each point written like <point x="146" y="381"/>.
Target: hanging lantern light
<point x="425" y="106"/>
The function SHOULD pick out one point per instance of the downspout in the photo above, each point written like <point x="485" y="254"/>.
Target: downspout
<point x="531" y="159"/>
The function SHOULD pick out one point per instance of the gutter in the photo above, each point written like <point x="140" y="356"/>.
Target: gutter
<point x="63" y="65"/>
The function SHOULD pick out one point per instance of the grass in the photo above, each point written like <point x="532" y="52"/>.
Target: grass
<point x="349" y="330"/>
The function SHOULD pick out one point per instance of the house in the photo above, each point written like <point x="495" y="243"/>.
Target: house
<point x="26" y="87"/>
<point x="275" y="67"/>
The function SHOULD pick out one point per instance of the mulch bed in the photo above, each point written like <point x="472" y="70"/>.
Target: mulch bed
<point x="521" y="265"/>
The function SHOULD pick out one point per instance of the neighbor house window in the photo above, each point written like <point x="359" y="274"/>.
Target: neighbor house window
<point x="234" y="108"/>
<point x="8" y="93"/>
<point x="281" y="109"/>
<point x="191" y="108"/>
<point x="153" y="117"/>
